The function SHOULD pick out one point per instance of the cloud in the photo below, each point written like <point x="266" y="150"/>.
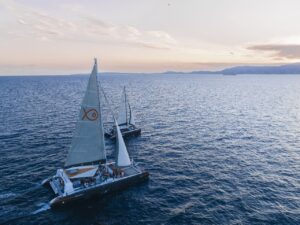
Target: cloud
<point x="163" y="36"/>
<point x="130" y="35"/>
<point x="152" y="45"/>
<point x="279" y="51"/>
<point x="36" y="24"/>
<point x="22" y="21"/>
<point x="40" y="25"/>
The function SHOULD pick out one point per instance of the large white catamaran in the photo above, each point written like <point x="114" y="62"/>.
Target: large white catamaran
<point x="87" y="172"/>
<point x="126" y="119"/>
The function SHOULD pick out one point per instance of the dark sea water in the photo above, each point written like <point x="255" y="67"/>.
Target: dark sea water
<point x="219" y="149"/>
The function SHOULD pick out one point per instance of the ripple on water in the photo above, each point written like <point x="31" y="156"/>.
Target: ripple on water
<point x="220" y="150"/>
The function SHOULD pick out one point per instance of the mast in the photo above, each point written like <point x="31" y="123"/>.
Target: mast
<point x="88" y="140"/>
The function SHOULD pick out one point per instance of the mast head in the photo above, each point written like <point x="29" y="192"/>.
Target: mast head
<point x="95" y="60"/>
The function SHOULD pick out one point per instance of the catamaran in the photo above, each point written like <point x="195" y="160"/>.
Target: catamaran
<point x="86" y="172"/>
<point x="126" y="120"/>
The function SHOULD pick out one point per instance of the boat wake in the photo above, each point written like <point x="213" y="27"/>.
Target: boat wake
<point x="33" y="188"/>
<point x="22" y="214"/>
<point x="10" y="196"/>
<point x="43" y="207"/>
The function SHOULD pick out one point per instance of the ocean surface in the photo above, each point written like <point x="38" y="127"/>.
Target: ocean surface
<point x="219" y="149"/>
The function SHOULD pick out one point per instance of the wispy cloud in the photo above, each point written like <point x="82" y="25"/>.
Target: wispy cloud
<point x="42" y="26"/>
<point x="279" y="51"/>
<point x="37" y="24"/>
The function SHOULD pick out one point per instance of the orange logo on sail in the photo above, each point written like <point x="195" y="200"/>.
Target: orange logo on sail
<point x="89" y="114"/>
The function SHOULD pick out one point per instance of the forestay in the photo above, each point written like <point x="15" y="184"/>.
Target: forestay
<point x="88" y="139"/>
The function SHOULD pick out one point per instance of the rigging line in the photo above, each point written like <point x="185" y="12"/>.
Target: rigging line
<point x="129" y="113"/>
<point x="107" y="101"/>
<point x="126" y="105"/>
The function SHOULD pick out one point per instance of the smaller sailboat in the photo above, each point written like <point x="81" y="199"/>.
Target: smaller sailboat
<point x="126" y="120"/>
<point x="86" y="172"/>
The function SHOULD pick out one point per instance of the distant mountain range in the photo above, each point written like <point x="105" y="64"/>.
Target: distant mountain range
<point x="283" y="69"/>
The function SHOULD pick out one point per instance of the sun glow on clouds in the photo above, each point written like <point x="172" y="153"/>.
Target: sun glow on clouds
<point x="286" y="49"/>
<point x="42" y="39"/>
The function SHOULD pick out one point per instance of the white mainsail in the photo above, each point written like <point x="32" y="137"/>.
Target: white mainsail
<point x="131" y="118"/>
<point x="88" y="139"/>
<point x="122" y="117"/>
<point x="122" y="153"/>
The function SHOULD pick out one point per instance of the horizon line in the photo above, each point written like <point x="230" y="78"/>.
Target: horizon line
<point x="203" y="71"/>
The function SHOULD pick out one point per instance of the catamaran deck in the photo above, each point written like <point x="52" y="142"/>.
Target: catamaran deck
<point x="131" y="171"/>
<point x="88" y="176"/>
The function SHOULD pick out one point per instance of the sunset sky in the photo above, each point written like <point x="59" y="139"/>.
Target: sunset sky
<point x="63" y="36"/>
